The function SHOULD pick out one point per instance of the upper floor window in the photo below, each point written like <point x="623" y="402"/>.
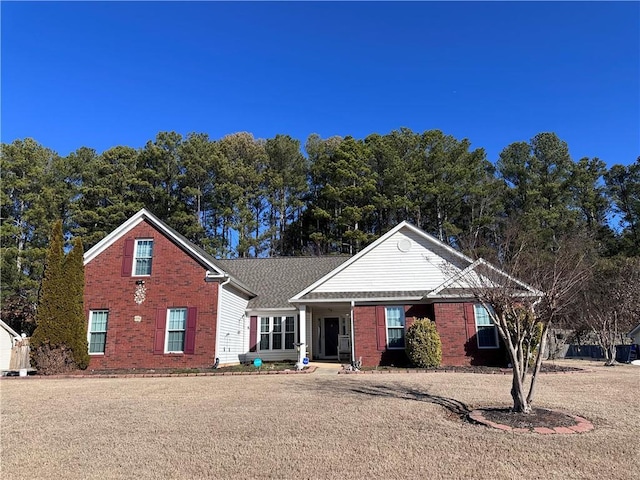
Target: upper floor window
<point x="97" y="330"/>
<point x="486" y="330"/>
<point x="395" y="327"/>
<point x="142" y="257"/>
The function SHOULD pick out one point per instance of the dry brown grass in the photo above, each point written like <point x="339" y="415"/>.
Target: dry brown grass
<point x="311" y="426"/>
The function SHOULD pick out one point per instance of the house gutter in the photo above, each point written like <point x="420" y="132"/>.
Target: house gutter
<point x="353" y="343"/>
<point x="220" y="289"/>
<point x="213" y="277"/>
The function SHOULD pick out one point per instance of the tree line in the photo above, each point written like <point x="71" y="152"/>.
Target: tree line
<point x="239" y="196"/>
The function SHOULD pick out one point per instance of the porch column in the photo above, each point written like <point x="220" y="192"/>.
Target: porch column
<point x="302" y="333"/>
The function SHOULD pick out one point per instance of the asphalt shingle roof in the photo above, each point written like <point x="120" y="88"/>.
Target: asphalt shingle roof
<point x="276" y="280"/>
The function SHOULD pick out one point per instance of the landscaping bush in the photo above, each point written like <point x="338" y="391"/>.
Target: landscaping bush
<point x="59" y="342"/>
<point x="424" y="347"/>
<point x="53" y="361"/>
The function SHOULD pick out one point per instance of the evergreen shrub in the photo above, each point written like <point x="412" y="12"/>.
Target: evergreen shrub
<point x="59" y="342"/>
<point x="424" y="347"/>
<point x="53" y="360"/>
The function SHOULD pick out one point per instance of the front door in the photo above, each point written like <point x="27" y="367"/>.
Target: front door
<point x="331" y="330"/>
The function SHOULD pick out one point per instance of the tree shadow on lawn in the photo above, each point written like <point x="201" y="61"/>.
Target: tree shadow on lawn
<point x="454" y="406"/>
<point x="495" y="417"/>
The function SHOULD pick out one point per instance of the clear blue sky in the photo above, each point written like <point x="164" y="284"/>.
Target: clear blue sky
<point x="104" y="74"/>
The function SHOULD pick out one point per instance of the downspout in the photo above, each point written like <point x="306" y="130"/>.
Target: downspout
<point x="220" y="288"/>
<point x="353" y="343"/>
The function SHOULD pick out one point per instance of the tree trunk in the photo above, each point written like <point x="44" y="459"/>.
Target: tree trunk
<point x="520" y="403"/>
<point x="439" y="218"/>
<point x="21" y="237"/>
<point x="610" y="355"/>
<point x="538" y="365"/>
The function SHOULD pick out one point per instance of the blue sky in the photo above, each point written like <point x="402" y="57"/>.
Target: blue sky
<point x="104" y="74"/>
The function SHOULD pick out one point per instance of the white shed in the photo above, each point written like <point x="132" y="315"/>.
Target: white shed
<point x="8" y="338"/>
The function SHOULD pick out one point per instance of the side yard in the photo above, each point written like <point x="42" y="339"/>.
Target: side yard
<point x="311" y="426"/>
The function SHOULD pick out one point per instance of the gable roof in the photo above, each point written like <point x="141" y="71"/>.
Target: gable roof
<point x="11" y="331"/>
<point x="309" y="294"/>
<point x="274" y="283"/>
<point x="449" y="289"/>
<point x="453" y="271"/>
<point x="275" y="280"/>
<point x="195" y="252"/>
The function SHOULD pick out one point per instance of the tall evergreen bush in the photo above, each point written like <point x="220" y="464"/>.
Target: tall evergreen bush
<point x="73" y="273"/>
<point x="59" y="342"/>
<point x="52" y="296"/>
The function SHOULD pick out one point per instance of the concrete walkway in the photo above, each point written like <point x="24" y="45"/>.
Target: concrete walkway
<point x="326" y="368"/>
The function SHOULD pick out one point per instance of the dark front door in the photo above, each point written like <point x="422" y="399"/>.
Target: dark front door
<point x="331" y="327"/>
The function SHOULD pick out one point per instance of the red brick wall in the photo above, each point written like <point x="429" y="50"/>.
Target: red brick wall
<point x="176" y="281"/>
<point x="455" y="331"/>
<point x="455" y="323"/>
<point x="366" y="343"/>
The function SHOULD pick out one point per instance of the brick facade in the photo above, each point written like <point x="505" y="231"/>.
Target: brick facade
<point x="365" y="321"/>
<point x="176" y="280"/>
<point x="455" y="323"/>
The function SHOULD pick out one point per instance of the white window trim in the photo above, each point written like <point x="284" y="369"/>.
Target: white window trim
<point x="282" y="333"/>
<point x="404" y="326"/>
<point x="135" y="256"/>
<point x="166" y="330"/>
<point x="495" y="330"/>
<point x="89" y="332"/>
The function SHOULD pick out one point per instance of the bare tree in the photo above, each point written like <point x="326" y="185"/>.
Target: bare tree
<point x="610" y="304"/>
<point x="524" y="312"/>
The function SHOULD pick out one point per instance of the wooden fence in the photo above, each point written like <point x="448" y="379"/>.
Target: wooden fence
<point x="20" y="355"/>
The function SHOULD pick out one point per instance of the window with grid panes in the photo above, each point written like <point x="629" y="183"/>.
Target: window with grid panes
<point x="97" y="331"/>
<point x="142" y="257"/>
<point x="395" y="327"/>
<point x="176" y="328"/>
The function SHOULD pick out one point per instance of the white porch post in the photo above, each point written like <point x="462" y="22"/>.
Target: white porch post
<point x="302" y="334"/>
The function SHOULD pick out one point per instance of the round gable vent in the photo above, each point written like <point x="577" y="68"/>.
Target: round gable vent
<point x="404" y="245"/>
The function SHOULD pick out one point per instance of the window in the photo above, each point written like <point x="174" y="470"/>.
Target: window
<point x="176" y="327"/>
<point x="97" y="331"/>
<point x="395" y="327"/>
<point x="142" y="257"/>
<point x="277" y="333"/>
<point x="265" y="335"/>
<point x="289" y="333"/>
<point x="487" y="332"/>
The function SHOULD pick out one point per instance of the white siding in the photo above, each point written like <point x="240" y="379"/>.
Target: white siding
<point x="6" y="342"/>
<point x="233" y="327"/>
<point x="405" y="261"/>
<point x="274" y="356"/>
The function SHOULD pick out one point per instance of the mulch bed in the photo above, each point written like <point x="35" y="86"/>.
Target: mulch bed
<point x="545" y="368"/>
<point x="540" y="420"/>
<point x="539" y="417"/>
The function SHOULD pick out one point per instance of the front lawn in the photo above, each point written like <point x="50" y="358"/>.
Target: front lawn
<point x="311" y="426"/>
